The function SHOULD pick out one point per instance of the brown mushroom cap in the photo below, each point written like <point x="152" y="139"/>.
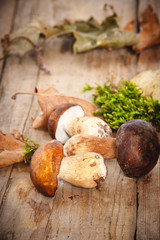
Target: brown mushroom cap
<point x="45" y="166"/>
<point x="89" y="125"/>
<point x="56" y="115"/>
<point x="137" y="147"/>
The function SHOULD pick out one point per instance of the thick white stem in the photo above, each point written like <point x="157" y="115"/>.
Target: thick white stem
<point x="81" y="143"/>
<point x="83" y="170"/>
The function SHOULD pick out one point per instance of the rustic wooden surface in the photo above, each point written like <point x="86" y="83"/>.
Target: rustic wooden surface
<point x="125" y="208"/>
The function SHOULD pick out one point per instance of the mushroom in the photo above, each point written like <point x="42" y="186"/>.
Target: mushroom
<point x="89" y="126"/>
<point x="63" y="115"/>
<point x="47" y="165"/>
<point x="83" y="170"/>
<point x="137" y="147"/>
<point x="81" y="143"/>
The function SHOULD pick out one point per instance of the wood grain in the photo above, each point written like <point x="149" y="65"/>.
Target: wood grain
<point x="92" y="214"/>
<point x="148" y="221"/>
<point x="80" y="213"/>
<point x="7" y="11"/>
<point x="15" y="78"/>
<point x="74" y="213"/>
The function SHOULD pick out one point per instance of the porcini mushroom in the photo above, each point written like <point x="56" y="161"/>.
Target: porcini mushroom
<point x="47" y="165"/>
<point x="63" y="115"/>
<point x="83" y="170"/>
<point x="137" y="147"/>
<point x="89" y="126"/>
<point x="81" y="143"/>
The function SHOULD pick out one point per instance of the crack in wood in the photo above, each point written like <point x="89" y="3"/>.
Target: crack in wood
<point x="10" y="30"/>
<point x="48" y="221"/>
<point x="137" y="206"/>
<point x="137" y="25"/>
<point x="114" y="202"/>
<point x="137" y="17"/>
<point x="6" y="190"/>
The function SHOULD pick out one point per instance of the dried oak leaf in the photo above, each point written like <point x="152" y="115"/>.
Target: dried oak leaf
<point x="49" y="99"/>
<point x="149" y="31"/>
<point x="130" y="26"/>
<point x="90" y="34"/>
<point x="11" y="148"/>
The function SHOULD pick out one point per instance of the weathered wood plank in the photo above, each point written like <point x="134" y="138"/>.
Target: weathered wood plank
<point x="24" y="212"/>
<point x="7" y="10"/>
<point x="81" y="213"/>
<point x="100" y="212"/>
<point x="89" y="214"/>
<point x="18" y="75"/>
<point x="148" y="222"/>
<point x="74" y="213"/>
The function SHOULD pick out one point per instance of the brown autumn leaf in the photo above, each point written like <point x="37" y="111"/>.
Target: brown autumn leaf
<point x="11" y="148"/>
<point x="88" y="35"/>
<point x="130" y="26"/>
<point x="49" y="99"/>
<point x="149" y="31"/>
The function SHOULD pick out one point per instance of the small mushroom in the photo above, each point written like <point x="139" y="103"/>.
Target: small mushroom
<point x="45" y="166"/>
<point x="89" y="126"/>
<point x="84" y="170"/>
<point x="137" y="147"/>
<point x="81" y="143"/>
<point x="63" y="115"/>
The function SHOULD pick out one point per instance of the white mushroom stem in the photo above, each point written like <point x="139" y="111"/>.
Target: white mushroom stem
<point x="71" y="113"/>
<point x="87" y="125"/>
<point x="60" y="116"/>
<point x="84" y="170"/>
<point x="81" y="143"/>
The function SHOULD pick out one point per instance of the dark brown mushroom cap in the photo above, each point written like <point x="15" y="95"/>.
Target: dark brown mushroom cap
<point x="55" y="116"/>
<point x="45" y="166"/>
<point x="137" y="147"/>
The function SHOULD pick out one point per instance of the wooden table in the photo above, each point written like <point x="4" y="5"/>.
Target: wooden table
<point x="126" y="208"/>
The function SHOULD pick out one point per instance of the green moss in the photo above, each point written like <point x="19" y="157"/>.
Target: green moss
<point x="125" y="103"/>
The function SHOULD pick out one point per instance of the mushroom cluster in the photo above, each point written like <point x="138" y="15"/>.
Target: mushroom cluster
<point x="68" y="120"/>
<point x="81" y="143"/>
<point x="84" y="167"/>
